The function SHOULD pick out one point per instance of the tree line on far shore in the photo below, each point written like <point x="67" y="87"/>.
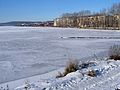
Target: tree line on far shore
<point x="107" y="18"/>
<point x="114" y="9"/>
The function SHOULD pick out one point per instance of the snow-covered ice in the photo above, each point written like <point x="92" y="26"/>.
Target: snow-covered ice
<point x="29" y="52"/>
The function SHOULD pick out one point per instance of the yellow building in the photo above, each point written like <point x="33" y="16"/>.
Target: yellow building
<point x="91" y="21"/>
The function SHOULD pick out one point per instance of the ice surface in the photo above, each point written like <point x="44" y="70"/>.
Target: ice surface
<point x="30" y="51"/>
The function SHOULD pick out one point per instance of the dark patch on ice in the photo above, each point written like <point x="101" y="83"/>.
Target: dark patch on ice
<point x="90" y="37"/>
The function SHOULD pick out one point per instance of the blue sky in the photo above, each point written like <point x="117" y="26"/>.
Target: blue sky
<point x="41" y="10"/>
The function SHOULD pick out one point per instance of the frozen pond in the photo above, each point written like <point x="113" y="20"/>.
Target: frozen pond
<point x="28" y="51"/>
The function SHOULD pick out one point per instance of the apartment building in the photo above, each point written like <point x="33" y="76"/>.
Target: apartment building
<point x="91" y="21"/>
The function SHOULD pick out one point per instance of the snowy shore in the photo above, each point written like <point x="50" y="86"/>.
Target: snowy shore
<point x="30" y="54"/>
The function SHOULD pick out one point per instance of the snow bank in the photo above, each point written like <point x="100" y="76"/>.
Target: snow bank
<point x="79" y="80"/>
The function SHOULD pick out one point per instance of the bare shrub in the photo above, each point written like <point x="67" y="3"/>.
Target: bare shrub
<point x="59" y="75"/>
<point x="114" y="52"/>
<point x="92" y="73"/>
<point x="72" y="66"/>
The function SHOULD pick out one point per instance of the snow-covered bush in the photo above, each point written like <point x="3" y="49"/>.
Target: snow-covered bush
<point x="114" y="52"/>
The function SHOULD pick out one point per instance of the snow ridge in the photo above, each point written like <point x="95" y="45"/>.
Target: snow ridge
<point x="79" y="80"/>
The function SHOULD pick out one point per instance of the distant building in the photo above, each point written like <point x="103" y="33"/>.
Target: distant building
<point x="36" y="24"/>
<point x="91" y="21"/>
<point x="49" y="23"/>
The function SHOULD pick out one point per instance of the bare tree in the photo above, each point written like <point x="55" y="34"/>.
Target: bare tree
<point x="84" y="13"/>
<point x="115" y="9"/>
<point x="104" y="11"/>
